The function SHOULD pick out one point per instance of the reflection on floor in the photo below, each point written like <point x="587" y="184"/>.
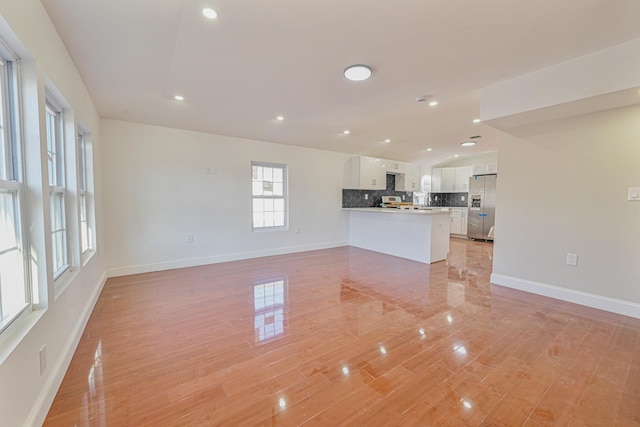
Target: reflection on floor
<point x="347" y="337"/>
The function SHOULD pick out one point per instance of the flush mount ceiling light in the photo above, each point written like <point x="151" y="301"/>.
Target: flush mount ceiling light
<point x="476" y="120"/>
<point x="433" y="103"/>
<point x="280" y="118"/>
<point x="346" y="132"/>
<point x="357" y="73"/>
<point x="178" y="98"/>
<point x="209" y="13"/>
<point x="468" y="143"/>
<point x="386" y="141"/>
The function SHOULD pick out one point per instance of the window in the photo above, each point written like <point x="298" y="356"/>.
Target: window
<point x="14" y="291"/>
<point x="269" y="194"/>
<point x="86" y="231"/>
<point x="57" y="191"/>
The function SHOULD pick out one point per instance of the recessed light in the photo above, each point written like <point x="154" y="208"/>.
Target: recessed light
<point x="178" y="98"/>
<point x="468" y="143"/>
<point x="209" y="13"/>
<point x="433" y="103"/>
<point x="358" y="72"/>
<point x="429" y="149"/>
<point x="280" y="118"/>
<point x="476" y="120"/>
<point x="346" y="132"/>
<point x="456" y="155"/>
<point x="386" y="141"/>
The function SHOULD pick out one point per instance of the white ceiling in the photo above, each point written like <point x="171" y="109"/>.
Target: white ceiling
<point x="261" y="59"/>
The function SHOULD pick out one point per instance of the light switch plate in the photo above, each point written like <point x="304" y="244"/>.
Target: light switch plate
<point x="634" y="194"/>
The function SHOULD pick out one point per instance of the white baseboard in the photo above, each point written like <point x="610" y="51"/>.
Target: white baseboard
<point x="193" y="262"/>
<point x="600" y="302"/>
<point x="52" y="384"/>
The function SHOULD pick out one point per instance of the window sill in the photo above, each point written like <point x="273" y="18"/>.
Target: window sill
<point x="61" y="283"/>
<point x="86" y="256"/>
<point x="267" y="229"/>
<point x="17" y="331"/>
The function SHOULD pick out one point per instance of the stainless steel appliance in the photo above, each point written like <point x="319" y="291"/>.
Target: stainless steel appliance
<point x="482" y="207"/>
<point x="391" y="201"/>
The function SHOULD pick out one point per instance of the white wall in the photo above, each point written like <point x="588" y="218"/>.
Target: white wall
<point x="25" y="395"/>
<point x="563" y="188"/>
<point x="491" y="157"/>
<point x="608" y="71"/>
<point x="158" y="192"/>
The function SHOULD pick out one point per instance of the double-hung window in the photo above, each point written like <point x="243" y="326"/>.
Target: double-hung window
<point x="86" y="232"/>
<point x="269" y="195"/>
<point x="14" y="289"/>
<point x="57" y="190"/>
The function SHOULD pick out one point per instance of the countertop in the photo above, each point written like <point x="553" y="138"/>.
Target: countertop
<point x="427" y="211"/>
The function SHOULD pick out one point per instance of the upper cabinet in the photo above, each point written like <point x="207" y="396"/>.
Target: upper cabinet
<point x="370" y="173"/>
<point x="451" y="180"/>
<point x="436" y="180"/>
<point x="448" y="184"/>
<point x="366" y="173"/>
<point x="410" y="179"/>
<point x="462" y="179"/>
<point x="485" y="168"/>
<point x="395" y="166"/>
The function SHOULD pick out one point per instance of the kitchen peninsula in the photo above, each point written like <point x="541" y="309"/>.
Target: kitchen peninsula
<point x="418" y="235"/>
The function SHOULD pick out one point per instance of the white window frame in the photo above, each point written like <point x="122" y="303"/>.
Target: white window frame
<point x="271" y="199"/>
<point x="11" y="182"/>
<point x="57" y="187"/>
<point x="85" y="166"/>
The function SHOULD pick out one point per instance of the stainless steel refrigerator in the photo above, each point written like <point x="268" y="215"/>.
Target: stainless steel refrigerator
<point x="482" y="206"/>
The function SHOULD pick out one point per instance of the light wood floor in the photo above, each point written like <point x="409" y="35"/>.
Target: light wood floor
<point x="347" y="337"/>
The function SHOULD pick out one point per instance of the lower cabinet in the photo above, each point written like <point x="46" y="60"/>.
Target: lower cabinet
<point x="458" y="221"/>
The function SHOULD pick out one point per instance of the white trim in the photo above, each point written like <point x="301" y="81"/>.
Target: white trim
<point x="193" y="262"/>
<point x="599" y="302"/>
<point x="41" y="407"/>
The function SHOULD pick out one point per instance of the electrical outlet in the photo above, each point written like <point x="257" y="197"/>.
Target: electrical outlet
<point x="572" y="259"/>
<point x="297" y="230"/>
<point x="43" y="359"/>
<point x="190" y="238"/>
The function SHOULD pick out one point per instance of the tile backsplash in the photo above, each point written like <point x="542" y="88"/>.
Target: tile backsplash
<point x="453" y="200"/>
<point x="355" y="198"/>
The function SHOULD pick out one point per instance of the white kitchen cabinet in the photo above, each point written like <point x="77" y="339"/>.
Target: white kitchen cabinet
<point x="462" y="179"/>
<point x="410" y="179"/>
<point x="448" y="180"/>
<point x="436" y="180"/>
<point x="456" y="221"/>
<point x="451" y="180"/>
<point x="459" y="221"/>
<point x="395" y="167"/>
<point x="465" y="219"/>
<point x="367" y="173"/>
<point x="485" y="168"/>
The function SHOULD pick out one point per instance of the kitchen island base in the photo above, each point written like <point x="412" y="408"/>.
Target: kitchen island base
<point x="421" y="236"/>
